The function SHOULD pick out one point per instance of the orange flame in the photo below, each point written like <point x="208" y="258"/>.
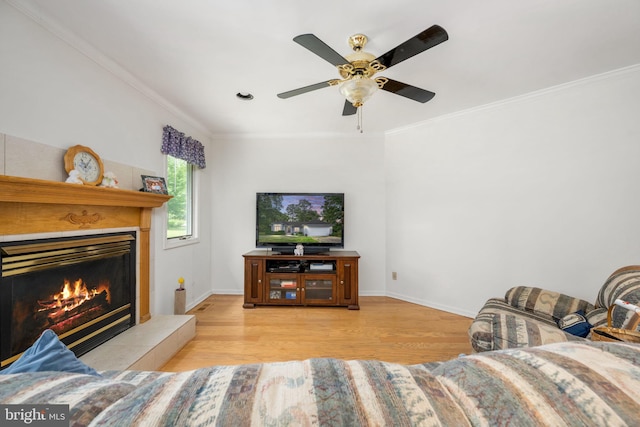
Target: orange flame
<point x="72" y="296"/>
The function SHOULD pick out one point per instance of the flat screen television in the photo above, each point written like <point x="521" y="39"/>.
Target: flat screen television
<point x="315" y="220"/>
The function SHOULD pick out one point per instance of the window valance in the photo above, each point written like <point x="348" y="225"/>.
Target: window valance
<point x="180" y="146"/>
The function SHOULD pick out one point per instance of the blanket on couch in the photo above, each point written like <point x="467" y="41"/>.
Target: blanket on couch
<point x="577" y="384"/>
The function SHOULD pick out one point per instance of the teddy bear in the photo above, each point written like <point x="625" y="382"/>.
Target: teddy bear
<point x="299" y="250"/>
<point x="74" y="177"/>
<point x="109" y="180"/>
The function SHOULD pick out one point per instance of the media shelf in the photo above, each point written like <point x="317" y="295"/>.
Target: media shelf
<point x="326" y="279"/>
<point x="300" y="266"/>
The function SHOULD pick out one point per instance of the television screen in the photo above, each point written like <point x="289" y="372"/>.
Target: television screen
<point x="313" y="219"/>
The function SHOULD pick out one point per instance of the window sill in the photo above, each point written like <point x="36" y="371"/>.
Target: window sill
<point x="178" y="243"/>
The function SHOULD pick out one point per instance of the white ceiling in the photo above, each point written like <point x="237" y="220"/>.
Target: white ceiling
<point x="195" y="55"/>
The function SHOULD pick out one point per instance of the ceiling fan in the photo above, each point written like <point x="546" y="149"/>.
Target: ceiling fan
<point x="358" y="69"/>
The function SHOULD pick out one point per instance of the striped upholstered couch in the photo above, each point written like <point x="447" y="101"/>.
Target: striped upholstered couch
<point x="563" y="384"/>
<point x="529" y="316"/>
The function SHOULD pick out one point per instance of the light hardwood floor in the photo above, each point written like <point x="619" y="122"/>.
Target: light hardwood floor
<point x="384" y="328"/>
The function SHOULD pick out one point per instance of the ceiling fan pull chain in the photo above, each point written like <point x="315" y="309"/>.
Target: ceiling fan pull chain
<point x="359" y="127"/>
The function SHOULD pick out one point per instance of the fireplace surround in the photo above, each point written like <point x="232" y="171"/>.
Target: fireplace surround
<point x="30" y="208"/>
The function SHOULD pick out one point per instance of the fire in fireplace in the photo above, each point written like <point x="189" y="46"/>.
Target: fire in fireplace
<point x="83" y="288"/>
<point x="72" y="305"/>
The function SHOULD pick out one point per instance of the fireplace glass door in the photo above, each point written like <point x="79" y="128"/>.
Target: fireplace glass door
<point x="82" y="288"/>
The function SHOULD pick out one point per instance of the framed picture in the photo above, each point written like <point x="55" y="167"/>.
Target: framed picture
<point x="154" y="184"/>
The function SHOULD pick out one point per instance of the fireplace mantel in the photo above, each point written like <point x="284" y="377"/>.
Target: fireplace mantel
<point x="29" y="206"/>
<point x="28" y="190"/>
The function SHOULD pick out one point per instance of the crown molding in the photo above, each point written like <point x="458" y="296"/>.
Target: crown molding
<point x="542" y="92"/>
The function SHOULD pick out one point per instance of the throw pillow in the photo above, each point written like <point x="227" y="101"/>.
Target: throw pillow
<point x="48" y="353"/>
<point x="575" y="324"/>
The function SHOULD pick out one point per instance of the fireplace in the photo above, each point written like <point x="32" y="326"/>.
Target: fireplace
<point x="34" y="207"/>
<point x="81" y="287"/>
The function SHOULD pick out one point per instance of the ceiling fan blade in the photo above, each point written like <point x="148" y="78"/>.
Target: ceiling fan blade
<point x="301" y="90"/>
<point x="349" y="109"/>
<point x="408" y="91"/>
<point x="427" y="39"/>
<point x="320" y="48"/>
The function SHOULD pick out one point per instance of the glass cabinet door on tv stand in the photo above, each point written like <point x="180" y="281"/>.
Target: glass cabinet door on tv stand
<point x="283" y="288"/>
<point x="319" y="288"/>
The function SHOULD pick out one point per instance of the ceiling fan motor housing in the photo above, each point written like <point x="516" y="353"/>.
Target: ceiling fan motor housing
<point x="360" y="63"/>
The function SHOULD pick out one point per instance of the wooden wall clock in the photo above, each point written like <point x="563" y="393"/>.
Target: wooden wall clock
<point x="86" y="162"/>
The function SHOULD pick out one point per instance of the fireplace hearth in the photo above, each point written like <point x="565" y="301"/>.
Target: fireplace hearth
<point x="81" y="287"/>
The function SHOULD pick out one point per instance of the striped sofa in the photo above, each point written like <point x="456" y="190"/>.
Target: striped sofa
<point x="563" y="384"/>
<point x="528" y="316"/>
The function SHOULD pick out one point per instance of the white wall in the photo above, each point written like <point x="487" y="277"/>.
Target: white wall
<point x="350" y="165"/>
<point x="54" y="95"/>
<point x="542" y="190"/>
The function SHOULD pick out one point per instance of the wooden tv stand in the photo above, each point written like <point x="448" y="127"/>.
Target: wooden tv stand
<point x="327" y="279"/>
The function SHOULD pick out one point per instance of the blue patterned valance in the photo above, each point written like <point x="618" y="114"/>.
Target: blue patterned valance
<point x="176" y="144"/>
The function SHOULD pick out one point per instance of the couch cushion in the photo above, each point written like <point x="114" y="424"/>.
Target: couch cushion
<point x="567" y="384"/>
<point x="597" y="317"/>
<point x="481" y="330"/>
<point x="490" y="328"/>
<point x="545" y="302"/>
<point x="86" y="395"/>
<point x="622" y="282"/>
<point x="500" y="306"/>
<point x="513" y="331"/>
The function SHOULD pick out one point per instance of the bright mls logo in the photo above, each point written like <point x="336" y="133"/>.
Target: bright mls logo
<point x="34" y="415"/>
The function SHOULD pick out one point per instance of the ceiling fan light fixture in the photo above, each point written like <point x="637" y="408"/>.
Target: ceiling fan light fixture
<point x="358" y="90"/>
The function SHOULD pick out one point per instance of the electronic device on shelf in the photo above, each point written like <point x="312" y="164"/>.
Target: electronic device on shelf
<point x="284" y="269"/>
<point x="282" y="266"/>
<point x="314" y="266"/>
<point x="314" y="220"/>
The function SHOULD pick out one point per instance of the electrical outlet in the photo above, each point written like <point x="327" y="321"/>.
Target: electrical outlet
<point x="394" y="275"/>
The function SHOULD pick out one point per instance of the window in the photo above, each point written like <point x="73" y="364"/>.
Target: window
<point x="184" y="154"/>
<point x="180" y="209"/>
